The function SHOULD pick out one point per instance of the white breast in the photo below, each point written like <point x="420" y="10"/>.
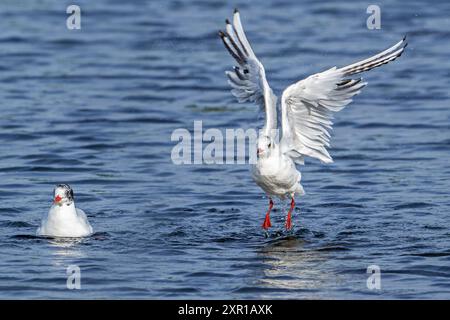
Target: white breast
<point x="277" y="176"/>
<point x="65" y="221"/>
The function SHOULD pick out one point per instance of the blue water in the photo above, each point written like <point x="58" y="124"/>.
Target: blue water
<point x="96" y="107"/>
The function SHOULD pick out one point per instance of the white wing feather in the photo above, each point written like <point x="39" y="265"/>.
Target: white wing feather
<point x="248" y="80"/>
<point x="308" y="105"/>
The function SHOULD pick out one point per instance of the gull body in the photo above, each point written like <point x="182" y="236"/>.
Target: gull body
<point x="306" y="108"/>
<point x="277" y="175"/>
<point x="64" y="219"/>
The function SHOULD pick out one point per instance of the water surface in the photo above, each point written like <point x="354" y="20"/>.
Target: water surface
<point x="96" y="107"/>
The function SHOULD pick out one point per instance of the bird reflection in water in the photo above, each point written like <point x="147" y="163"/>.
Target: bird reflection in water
<point x="291" y="265"/>
<point x="67" y="248"/>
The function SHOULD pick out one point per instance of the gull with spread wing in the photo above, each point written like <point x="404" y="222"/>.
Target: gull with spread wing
<point x="307" y="107"/>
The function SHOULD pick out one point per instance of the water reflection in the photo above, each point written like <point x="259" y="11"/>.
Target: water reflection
<point x="65" y="248"/>
<point x="289" y="264"/>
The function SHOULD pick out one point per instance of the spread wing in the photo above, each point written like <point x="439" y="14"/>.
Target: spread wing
<point x="307" y="106"/>
<point x="248" y="79"/>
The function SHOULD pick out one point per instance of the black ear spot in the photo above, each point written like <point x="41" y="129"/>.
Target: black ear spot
<point x="69" y="194"/>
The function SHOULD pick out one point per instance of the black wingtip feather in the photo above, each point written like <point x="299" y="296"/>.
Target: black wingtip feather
<point x="227" y="21"/>
<point x="236" y="47"/>
<point x="236" y="10"/>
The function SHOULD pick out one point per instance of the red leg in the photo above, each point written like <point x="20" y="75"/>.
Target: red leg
<point x="266" y="224"/>
<point x="288" y="223"/>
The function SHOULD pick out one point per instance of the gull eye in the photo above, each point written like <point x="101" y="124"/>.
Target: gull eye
<point x="270" y="144"/>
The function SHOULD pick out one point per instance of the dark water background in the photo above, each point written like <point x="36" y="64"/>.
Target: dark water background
<point x="95" y="108"/>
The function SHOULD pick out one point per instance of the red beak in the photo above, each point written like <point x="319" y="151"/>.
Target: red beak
<point x="57" y="199"/>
